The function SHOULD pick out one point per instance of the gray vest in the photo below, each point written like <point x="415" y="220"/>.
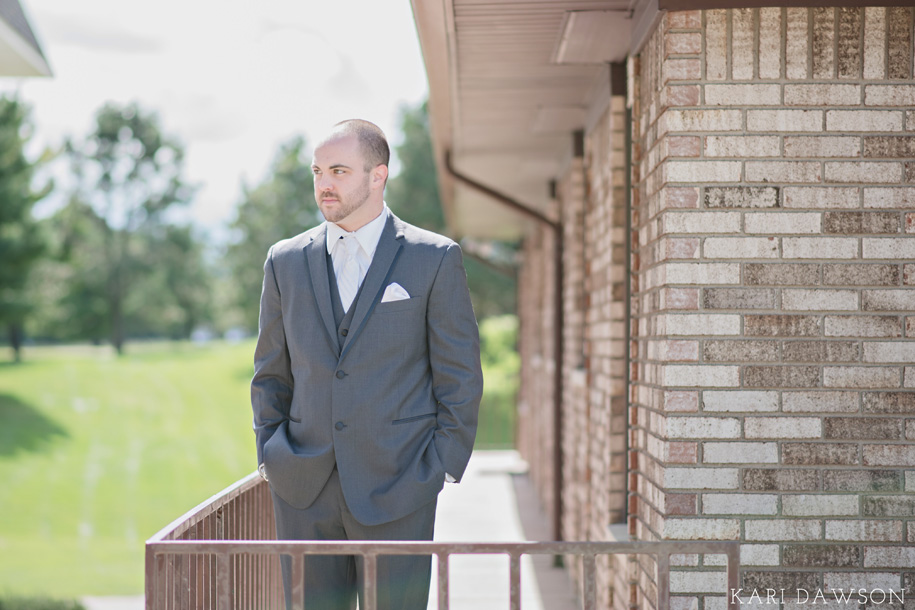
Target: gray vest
<point x="341" y="319"/>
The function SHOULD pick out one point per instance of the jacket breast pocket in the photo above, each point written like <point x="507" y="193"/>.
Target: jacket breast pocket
<point x="406" y="305"/>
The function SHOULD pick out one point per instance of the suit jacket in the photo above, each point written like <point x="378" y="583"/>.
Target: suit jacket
<point x="394" y="402"/>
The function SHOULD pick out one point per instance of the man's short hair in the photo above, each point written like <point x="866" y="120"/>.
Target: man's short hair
<point x="371" y="139"/>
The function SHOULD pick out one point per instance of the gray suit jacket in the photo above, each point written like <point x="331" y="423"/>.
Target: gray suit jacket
<point x="394" y="404"/>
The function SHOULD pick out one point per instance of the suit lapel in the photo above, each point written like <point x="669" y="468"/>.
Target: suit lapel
<point x="316" y="254"/>
<point x="389" y="245"/>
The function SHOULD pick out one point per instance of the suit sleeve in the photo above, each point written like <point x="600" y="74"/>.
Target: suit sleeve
<point x="271" y="387"/>
<point x="454" y="356"/>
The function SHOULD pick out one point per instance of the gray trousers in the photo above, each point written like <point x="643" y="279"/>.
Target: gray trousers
<point x="332" y="581"/>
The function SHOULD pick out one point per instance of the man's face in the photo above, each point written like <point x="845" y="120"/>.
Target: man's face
<point x="342" y="185"/>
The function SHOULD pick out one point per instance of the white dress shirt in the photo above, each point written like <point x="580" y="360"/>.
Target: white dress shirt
<point x="367" y="237"/>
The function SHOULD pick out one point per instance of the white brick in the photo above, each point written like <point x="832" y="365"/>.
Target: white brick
<point x="889" y="557"/>
<point x="748" y="401"/>
<point x="821" y="197"/>
<point x="820" y="402"/>
<point x="863" y="171"/>
<point x="742" y="146"/>
<point x="702" y="427"/>
<point x="889" y="300"/>
<point x="701" y="478"/>
<point x="700" y="222"/>
<point x="782" y="529"/>
<point x="864" y="530"/>
<point x="783" y="427"/>
<point x="861" y="580"/>
<point x="874" y="43"/>
<point x="796" y="46"/>
<point x="910" y="480"/>
<point x="740" y="247"/>
<point x="740" y="453"/>
<point x="862" y="326"/>
<point x="781" y="223"/>
<point x="770" y="35"/>
<point x="702" y="171"/>
<point x="819" y="300"/>
<point x="702" y="273"/>
<point x="758" y="555"/>
<point x="703" y="324"/>
<point x="815" y="505"/>
<point x="822" y="95"/>
<point x="861" y="377"/>
<point x="694" y="376"/>
<point x="700" y="120"/>
<point x="695" y="582"/>
<point x="889" y="198"/>
<point x="819" y="247"/>
<point x="743" y="95"/>
<point x="739" y="504"/>
<point x="888" y="247"/>
<point x="867" y="121"/>
<point x="822" y="146"/>
<point x="785" y="120"/>
<point x="889" y="95"/>
<point x="783" y="171"/>
<point x="891" y="351"/>
<point x="716" y="45"/>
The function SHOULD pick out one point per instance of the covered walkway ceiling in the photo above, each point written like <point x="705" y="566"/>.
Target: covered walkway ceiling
<point x="509" y="83"/>
<point x="511" y="80"/>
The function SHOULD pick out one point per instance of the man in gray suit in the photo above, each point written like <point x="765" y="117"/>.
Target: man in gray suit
<point x="367" y="377"/>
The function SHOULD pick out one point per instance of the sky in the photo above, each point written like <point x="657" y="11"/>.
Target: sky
<point x="231" y="79"/>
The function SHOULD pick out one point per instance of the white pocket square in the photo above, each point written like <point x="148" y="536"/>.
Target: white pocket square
<point x="394" y="292"/>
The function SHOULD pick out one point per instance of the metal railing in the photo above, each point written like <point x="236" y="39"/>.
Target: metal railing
<point x="223" y="556"/>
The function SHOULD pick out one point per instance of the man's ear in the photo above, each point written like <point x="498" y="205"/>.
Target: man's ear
<point x="379" y="176"/>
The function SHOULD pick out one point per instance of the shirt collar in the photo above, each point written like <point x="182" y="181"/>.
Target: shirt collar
<point x="367" y="235"/>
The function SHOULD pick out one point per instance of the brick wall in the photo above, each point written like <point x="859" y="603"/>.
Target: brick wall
<point x="772" y="372"/>
<point x="772" y="387"/>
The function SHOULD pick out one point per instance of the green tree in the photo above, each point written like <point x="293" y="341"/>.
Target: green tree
<point x="281" y="206"/>
<point x="128" y="176"/>
<point x="21" y="242"/>
<point x="413" y="195"/>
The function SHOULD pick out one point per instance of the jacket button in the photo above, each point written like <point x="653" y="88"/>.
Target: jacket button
<point x="339" y="425"/>
<point x="344" y="332"/>
<point x="340" y="374"/>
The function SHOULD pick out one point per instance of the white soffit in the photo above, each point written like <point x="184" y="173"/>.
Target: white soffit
<point x="559" y="119"/>
<point x="594" y="37"/>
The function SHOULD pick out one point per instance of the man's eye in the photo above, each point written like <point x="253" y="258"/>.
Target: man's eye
<point x="338" y="171"/>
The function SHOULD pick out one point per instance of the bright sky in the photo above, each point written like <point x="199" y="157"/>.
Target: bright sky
<point x="232" y="79"/>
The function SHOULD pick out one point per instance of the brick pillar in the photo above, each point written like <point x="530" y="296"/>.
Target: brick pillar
<point x="773" y="378"/>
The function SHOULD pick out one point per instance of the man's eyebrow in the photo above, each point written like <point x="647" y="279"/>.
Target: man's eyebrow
<point x="339" y="165"/>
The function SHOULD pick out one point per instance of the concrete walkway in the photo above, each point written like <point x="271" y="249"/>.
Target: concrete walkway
<point x="493" y="503"/>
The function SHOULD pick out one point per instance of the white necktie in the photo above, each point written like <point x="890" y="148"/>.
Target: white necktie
<point x="348" y="276"/>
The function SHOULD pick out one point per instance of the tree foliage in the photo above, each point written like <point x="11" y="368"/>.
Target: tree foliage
<point x="281" y="206"/>
<point x="122" y="255"/>
<point x="413" y="195"/>
<point x="21" y="242"/>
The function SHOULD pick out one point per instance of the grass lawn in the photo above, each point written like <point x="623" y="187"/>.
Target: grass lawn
<point x="97" y="453"/>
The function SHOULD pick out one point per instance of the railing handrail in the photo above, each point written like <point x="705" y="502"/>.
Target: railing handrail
<point x="205" y="508"/>
<point x="222" y="554"/>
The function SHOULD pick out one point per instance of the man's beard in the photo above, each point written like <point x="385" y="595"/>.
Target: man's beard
<point x="349" y="204"/>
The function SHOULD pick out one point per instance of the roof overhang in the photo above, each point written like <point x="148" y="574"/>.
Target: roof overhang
<point x="510" y="81"/>
<point x="20" y="53"/>
<point x="509" y="85"/>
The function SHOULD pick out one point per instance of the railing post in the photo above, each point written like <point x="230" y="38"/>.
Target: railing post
<point x="589" y="566"/>
<point x="224" y="596"/>
<point x="515" y="585"/>
<point x="297" y="586"/>
<point x="663" y="579"/>
<point x="370" y="576"/>
<point x="443" y="581"/>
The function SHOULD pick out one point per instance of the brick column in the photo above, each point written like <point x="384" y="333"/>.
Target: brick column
<point x="773" y="380"/>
